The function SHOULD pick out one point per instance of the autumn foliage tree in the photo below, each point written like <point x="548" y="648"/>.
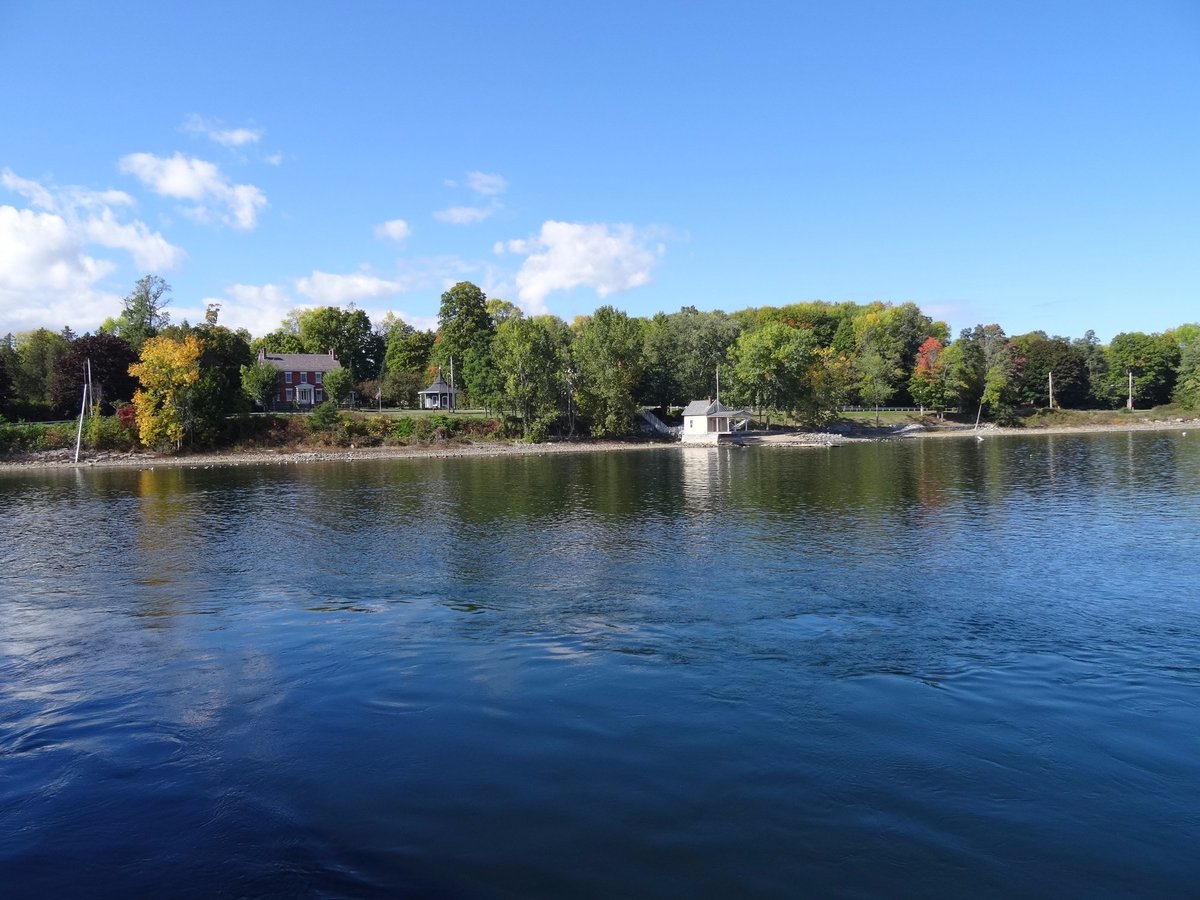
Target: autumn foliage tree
<point x="168" y="371"/>
<point x="929" y="385"/>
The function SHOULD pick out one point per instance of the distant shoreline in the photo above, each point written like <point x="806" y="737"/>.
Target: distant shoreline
<point x="63" y="459"/>
<point x="1181" y="425"/>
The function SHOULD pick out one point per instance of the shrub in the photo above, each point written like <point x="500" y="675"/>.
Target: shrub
<point x="108" y="433"/>
<point x="377" y="428"/>
<point x="403" y="428"/>
<point x="32" y="438"/>
<point x="1005" y="416"/>
<point x="324" y="417"/>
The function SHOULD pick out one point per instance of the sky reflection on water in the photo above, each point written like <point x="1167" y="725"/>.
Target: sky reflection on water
<point x="947" y="666"/>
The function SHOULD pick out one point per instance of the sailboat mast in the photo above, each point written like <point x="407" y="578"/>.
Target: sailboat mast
<point x="82" y="407"/>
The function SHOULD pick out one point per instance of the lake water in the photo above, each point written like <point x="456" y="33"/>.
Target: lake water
<point x="938" y="669"/>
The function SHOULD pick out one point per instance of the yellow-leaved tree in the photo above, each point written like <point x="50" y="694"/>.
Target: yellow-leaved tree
<point x="168" y="371"/>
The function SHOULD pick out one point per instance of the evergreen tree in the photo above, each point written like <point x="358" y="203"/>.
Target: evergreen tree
<point x="144" y="314"/>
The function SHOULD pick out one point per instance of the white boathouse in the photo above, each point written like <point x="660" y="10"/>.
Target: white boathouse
<point x="704" y="421"/>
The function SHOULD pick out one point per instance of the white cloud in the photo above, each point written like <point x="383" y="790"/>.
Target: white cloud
<point x="465" y="215"/>
<point x="30" y="190"/>
<point x="487" y="185"/>
<point x="149" y="249"/>
<point x="257" y="308"/>
<point x="483" y="184"/>
<point x="393" y="229"/>
<point x="201" y="182"/>
<point x="46" y="277"/>
<point x="438" y="272"/>
<point x="334" y="290"/>
<point x="226" y="137"/>
<point x="566" y="255"/>
<point x="49" y="274"/>
<point x="66" y="200"/>
<point x="261" y="308"/>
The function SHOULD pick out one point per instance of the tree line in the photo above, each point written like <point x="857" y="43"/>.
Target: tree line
<point x="545" y="377"/>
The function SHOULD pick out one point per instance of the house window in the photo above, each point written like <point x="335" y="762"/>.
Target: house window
<point x="304" y="378"/>
<point x="319" y="379"/>
<point x="289" y="394"/>
<point x="319" y="395"/>
<point x="287" y="379"/>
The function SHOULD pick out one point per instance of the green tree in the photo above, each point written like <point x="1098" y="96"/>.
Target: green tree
<point x="659" y="385"/>
<point x="878" y="370"/>
<point x="464" y="342"/>
<point x="826" y="384"/>
<point x="608" y="347"/>
<point x="1036" y="357"/>
<point x="260" y="382"/>
<point x="1187" y="379"/>
<point x="281" y="340"/>
<point x="1096" y="362"/>
<point x="1187" y="385"/>
<point x="984" y="360"/>
<point x="348" y="333"/>
<point x="500" y="311"/>
<point x="406" y="361"/>
<point x="217" y="394"/>
<point x="410" y="350"/>
<point x="703" y="341"/>
<point x="5" y="381"/>
<point x="1148" y="361"/>
<point x="37" y="354"/>
<point x="772" y="367"/>
<point x="338" y="383"/>
<point x="529" y="355"/>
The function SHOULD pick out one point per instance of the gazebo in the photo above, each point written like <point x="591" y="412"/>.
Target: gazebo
<point x="439" y="395"/>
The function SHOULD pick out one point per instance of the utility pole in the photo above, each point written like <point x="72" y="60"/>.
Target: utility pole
<point x="1050" y="375"/>
<point x="1129" y="402"/>
<point x="453" y="397"/>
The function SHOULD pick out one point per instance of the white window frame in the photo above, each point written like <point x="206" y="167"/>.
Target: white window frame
<point x="288" y="395"/>
<point x="287" y="377"/>
<point x="319" y="379"/>
<point x="304" y="378"/>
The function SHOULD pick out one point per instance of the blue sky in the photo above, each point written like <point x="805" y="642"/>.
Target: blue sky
<point x="1032" y="164"/>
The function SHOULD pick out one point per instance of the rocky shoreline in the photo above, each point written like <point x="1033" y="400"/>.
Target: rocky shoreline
<point x="64" y="459"/>
<point x="920" y="432"/>
<point x="146" y="459"/>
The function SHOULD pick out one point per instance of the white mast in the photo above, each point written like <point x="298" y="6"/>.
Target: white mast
<point x="87" y="383"/>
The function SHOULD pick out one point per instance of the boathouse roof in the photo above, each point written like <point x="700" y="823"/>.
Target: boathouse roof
<point x="711" y="408"/>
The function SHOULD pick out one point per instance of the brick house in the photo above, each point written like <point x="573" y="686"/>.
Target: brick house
<point x="301" y="377"/>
